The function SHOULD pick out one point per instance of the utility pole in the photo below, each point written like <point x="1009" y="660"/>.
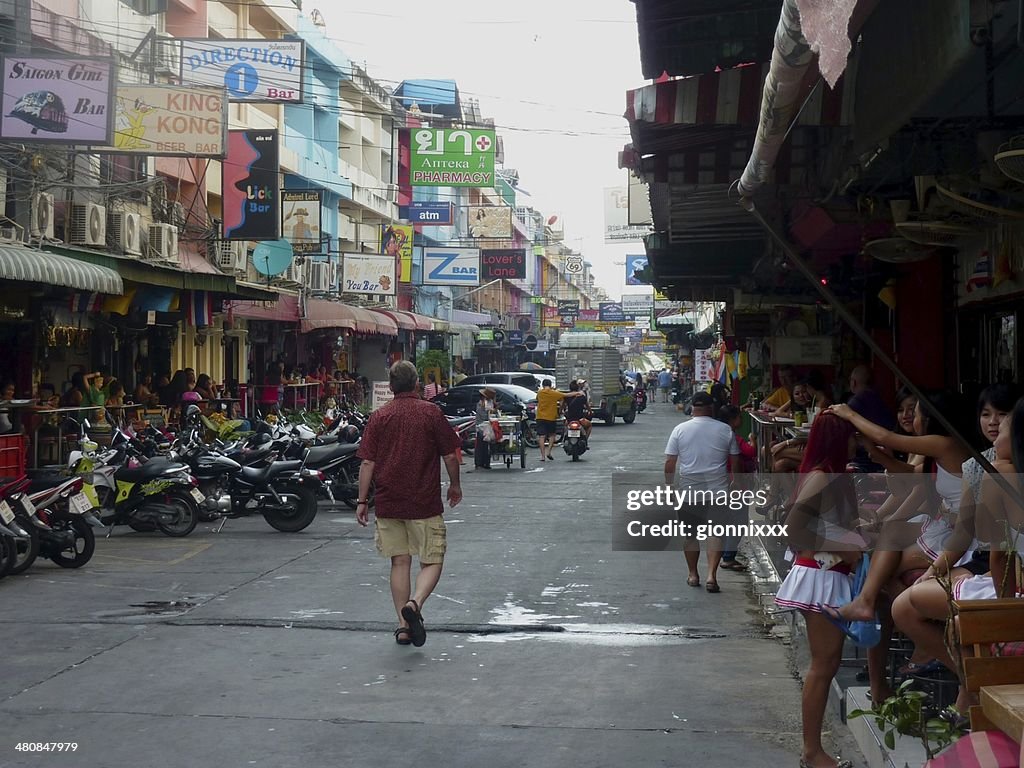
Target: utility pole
<point x="21" y="27"/>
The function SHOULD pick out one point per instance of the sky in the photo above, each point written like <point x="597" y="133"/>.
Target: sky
<point x="552" y="74"/>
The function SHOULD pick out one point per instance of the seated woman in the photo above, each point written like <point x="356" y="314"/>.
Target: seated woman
<point x="115" y="393"/>
<point x="144" y="394"/>
<point x="205" y="387"/>
<point x="800" y="400"/>
<point x="922" y="612"/>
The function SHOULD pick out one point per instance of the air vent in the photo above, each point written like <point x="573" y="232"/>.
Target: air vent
<point x="42" y="216"/>
<point x="163" y="242"/>
<point x="125" y="232"/>
<point x="232" y="255"/>
<point x="88" y="224"/>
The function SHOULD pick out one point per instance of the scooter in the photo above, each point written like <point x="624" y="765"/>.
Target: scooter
<point x="640" y="398"/>
<point x="575" y="443"/>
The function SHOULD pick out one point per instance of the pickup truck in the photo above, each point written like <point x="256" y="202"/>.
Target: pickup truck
<point x="598" y="365"/>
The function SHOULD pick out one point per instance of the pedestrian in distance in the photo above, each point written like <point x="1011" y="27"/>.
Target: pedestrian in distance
<point x="700" y="455"/>
<point x="665" y="384"/>
<point x="548" y="401"/>
<point x="484" y="432"/>
<point x="400" y="449"/>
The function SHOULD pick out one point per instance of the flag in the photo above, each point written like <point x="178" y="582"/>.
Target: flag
<point x="730" y="364"/>
<point x="119" y="305"/>
<point x="154" y="298"/>
<point x="200" y="308"/>
<point x="86" y="302"/>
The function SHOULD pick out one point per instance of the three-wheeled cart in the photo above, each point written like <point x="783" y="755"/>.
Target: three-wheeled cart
<point x="511" y="443"/>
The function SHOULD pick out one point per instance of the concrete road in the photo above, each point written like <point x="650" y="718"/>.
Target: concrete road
<point x="257" y="648"/>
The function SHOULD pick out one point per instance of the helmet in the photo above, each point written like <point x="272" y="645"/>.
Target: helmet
<point x="192" y="414"/>
<point x="349" y="434"/>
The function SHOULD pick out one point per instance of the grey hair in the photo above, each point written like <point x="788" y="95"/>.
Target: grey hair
<point x="403" y="377"/>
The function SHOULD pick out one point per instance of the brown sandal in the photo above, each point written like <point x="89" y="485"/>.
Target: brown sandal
<point x="402" y="636"/>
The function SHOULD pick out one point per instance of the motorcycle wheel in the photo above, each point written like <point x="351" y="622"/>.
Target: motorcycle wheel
<point x="7" y="554"/>
<point x="299" y="514"/>
<point x="141" y="526"/>
<point x="85" y="542"/>
<point x="25" y="551"/>
<point x="530" y="435"/>
<point x="630" y="417"/>
<point x="188" y="515"/>
<point x="522" y="454"/>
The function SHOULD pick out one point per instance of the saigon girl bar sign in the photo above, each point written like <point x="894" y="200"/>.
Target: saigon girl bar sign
<point x="252" y="205"/>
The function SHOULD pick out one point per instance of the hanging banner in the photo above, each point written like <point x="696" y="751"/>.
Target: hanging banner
<point x="368" y="273"/>
<point x="169" y="120"/>
<point x="249" y="70"/>
<point x="301" y="217"/>
<point x="490" y="221"/>
<point x="396" y="242"/>
<point x="616" y="218"/>
<point x="635" y="264"/>
<point x="451" y="266"/>
<point x="249" y="186"/>
<point x="503" y="264"/>
<point x="440" y="157"/>
<point x="58" y="100"/>
<point x="702" y="367"/>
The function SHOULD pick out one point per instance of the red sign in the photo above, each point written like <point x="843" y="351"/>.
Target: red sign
<point x="503" y="264"/>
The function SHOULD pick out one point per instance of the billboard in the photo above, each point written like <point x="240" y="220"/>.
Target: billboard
<point x="635" y="264"/>
<point x="451" y="266"/>
<point x="251" y="198"/>
<point x="66" y="100"/>
<point x="569" y="308"/>
<point x="503" y="264"/>
<point x="168" y="120"/>
<point x="617" y="228"/>
<point x="368" y="273"/>
<point x="396" y="242"/>
<point x="441" y="157"/>
<point x="639" y="204"/>
<point x="637" y="303"/>
<point x="428" y="214"/>
<point x="301" y="219"/>
<point x="611" y="311"/>
<point x="490" y="221"/>
<point x="249" y="70"/>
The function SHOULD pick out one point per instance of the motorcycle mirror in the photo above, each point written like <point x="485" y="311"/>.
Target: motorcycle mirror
<point x="86" y="424"/>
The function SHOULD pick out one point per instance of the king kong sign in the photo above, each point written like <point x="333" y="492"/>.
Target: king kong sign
<point x="503" y="264"/>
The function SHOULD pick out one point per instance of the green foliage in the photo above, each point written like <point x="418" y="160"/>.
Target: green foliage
<point x="433" y="358"/>
<point x="906" y="713"/>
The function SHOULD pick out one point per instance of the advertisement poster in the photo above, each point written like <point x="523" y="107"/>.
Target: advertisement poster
<point x="56" y="99"/>
<point x="617" y="228"/>
<point x="396" y="242"/>
<point x="490" y="221"/>
<point x="368" y="273"/>
<point x="611" y="311"/>
<point x="301" y="211"/>
<point x="168" y="120"/>
<point x="503" y="264"/>
<point x="381" y="394"/>
<point x="569" y="308"/>
<point x="249" y="186"/>
<point x="443" y="157"/>
<point x="451" y="266"/>
<point x="702" y="365"/>
<point x="249" y="70"/>
<point x="637" y="303"/>
<point x="635" y="264"/>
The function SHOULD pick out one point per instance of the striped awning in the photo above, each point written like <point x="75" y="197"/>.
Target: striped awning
<point x="731" y="97"/>
<point x="423" y="323"/>
<point x="321" y="314"/>
<point x="31" y="266"/>
<point x="402" y="320"/>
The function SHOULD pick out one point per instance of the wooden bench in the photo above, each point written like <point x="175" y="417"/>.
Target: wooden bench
<point x="992" y="644"/>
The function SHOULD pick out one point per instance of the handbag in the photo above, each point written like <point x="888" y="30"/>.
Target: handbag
<point x="486" y="432"/>
<point x="864" y="634"/>
<point x="498" y="434"/>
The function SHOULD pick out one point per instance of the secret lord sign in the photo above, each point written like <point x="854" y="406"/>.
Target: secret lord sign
<point x="503" y="264"/>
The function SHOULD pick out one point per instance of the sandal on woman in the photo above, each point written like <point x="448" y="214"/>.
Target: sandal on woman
<point x="402" y="636"/>
<point x="693" y="581"/>
<point x="712" y="587"/>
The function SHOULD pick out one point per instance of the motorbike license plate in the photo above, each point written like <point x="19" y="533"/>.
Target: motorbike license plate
<point x="79" y="504"/>
<point x="28" y="506"/>
<point x="6" y="513"/>
<point x="574" y="433"/>
<point x="197" y="495"/>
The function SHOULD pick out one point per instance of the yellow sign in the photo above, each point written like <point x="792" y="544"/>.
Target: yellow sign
<point x="396" y="240"/>
<point x="659" y="296"/>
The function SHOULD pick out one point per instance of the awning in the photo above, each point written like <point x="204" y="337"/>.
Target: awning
<point x="463" y="328"/>
<point x="402" y="320"/>
<point x="191" y="261"/>
<point x="321" y="314"/>
<point x="139" y="271"/>
<point x="423" y="323"/>
<point x="439" y="326"/>
<point x="473" y="318"/>
<point x="284" y="310"/>
<point x="31" y="266"/>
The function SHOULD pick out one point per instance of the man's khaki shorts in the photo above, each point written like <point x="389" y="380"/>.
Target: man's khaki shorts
<point x="426" y="539"/>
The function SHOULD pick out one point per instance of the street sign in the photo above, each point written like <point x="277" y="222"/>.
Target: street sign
<point x="499" y="337"/>
<point x="430" y="214"/>
<point x="573" y="264"/>
<point x="569" y="308"/>
<point x="530" y="342"/>
<point x="515" y="337"/>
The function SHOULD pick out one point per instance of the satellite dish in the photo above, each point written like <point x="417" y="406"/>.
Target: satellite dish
<point x="272" y="257"/>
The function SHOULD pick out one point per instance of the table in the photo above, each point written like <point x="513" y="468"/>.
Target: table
<point x="768" y="429"/>
<point x="223" y="403"/>
<point x="309" y="391"/>
<point x="1004" y="706"/>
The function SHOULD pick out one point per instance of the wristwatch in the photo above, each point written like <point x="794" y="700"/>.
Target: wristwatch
<point x="362" y="501"/>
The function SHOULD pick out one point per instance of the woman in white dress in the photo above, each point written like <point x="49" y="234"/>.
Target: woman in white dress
<point x="819" y="525"/>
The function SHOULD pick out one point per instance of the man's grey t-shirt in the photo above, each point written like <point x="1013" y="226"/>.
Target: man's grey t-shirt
<point x="703" y="446"/>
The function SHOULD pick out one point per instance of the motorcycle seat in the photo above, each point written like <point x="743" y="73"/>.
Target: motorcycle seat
<point x="45" y="480"/>
<point x="325" y="440"/>
<point x="149" y="471"/>
<point x="249" y="455"/>
<point x="261" y="475"/>
<point x="318" y="456"/>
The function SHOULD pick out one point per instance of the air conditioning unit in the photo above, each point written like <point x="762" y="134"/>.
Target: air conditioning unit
<point x="167" y="56"/>
<point x="125" y="230"/>
<point x="293" y="274"/>
<point x="88" y="224"/>
<point x="319" y="277"/>
<point x="163" y="242"/>
<point x="41" y="215"/>
<point x="232" y="255"/>
<point x="392" y="193"/>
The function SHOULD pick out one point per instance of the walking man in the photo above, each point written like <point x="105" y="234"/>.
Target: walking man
<point x="400" y="449"/>
<point x="548" y="401"/>
<point x="698" y="457"/>
<point x="665" y="384"/>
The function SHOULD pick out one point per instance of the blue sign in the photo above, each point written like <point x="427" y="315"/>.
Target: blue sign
<point x="611" y="312"/>
<point x="431" y="214"/>
<point x="451" y="266"/>
<point x="634" y="264"/>
<point x="241" y="80"/>
<point x="515" y="337"/>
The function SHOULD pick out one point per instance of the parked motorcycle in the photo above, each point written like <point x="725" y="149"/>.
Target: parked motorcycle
<point x="575" y="443"/>
<point x="64" y="520"/>
<point x="19" y="542"/>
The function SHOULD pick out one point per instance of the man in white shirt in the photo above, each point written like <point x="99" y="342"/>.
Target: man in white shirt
<point x="700" y="454"/>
